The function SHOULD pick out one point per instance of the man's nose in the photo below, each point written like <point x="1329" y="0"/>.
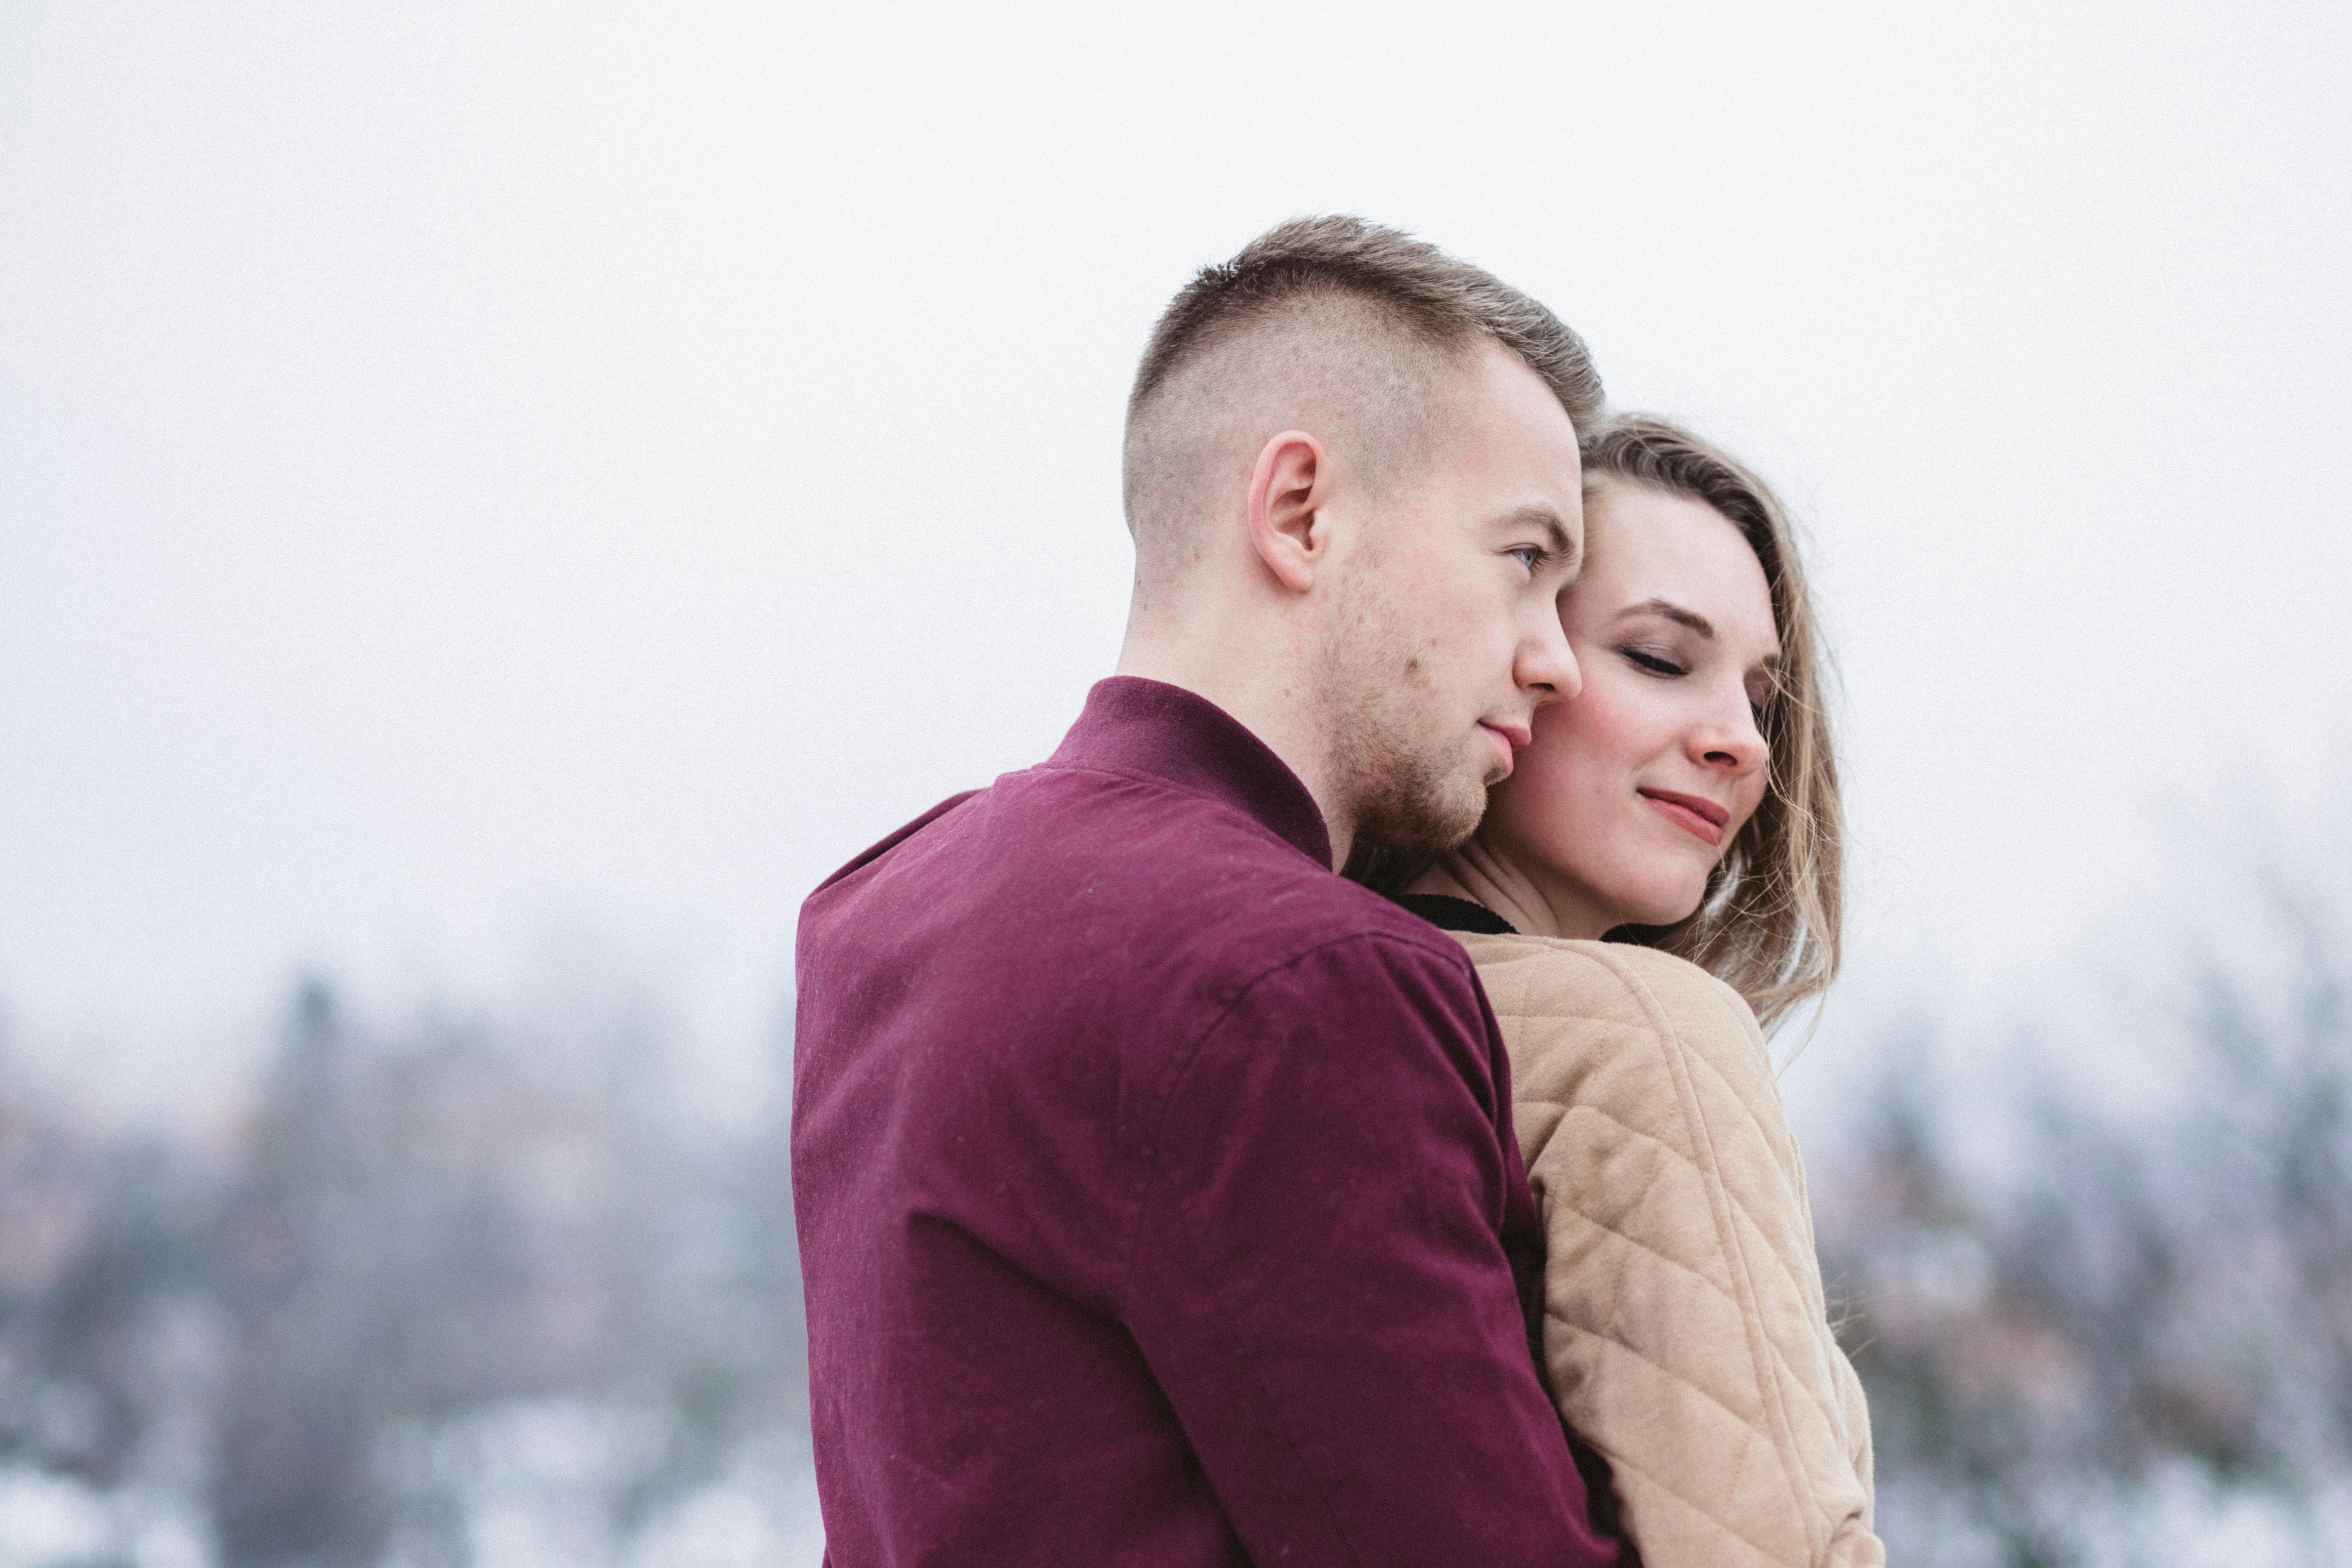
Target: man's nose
<point x="1547" y="664"/>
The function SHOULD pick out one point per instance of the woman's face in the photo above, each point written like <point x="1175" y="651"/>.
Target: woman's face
<point x="1632" y="790"/>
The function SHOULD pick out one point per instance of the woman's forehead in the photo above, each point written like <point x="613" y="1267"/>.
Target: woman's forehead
<point x="1644" y="547"/>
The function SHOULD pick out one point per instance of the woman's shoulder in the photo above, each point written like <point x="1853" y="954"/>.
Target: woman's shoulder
<point x="1540" y="977"/>
<point x="1579" y="1015"/>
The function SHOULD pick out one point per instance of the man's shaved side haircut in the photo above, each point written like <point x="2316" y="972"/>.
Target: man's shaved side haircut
<point x="1346" y="315"/>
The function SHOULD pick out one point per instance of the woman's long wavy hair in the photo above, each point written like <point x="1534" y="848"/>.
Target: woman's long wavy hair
<point x="1768" y="923"/>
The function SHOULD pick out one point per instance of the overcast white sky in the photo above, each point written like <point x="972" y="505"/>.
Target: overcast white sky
<point x="479" y="486"/>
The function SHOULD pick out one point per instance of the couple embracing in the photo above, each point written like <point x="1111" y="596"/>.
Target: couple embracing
<point x="1233" y="1139"/>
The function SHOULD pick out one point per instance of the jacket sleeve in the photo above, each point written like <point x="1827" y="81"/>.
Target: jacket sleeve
<point x="1686" y="1333"/>
<point x="1321" y="1280"/>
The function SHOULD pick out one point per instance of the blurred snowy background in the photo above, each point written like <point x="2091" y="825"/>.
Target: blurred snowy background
<point x="495" y="504"/>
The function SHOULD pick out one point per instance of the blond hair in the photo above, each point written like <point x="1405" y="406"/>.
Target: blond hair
<point x="1769" y="925"/>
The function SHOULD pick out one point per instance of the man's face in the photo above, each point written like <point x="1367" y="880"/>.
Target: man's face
<point x="1446" y="634"/>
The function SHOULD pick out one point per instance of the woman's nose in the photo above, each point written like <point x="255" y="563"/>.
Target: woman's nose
<point x="1733" y="743"/>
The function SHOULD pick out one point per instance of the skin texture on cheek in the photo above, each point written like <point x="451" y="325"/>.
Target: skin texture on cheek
<point x="1391" y="761"/>
<point x="1572" y="818"/>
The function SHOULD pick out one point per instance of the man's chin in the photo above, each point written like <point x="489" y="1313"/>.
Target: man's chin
<point x="1434" y="824"/>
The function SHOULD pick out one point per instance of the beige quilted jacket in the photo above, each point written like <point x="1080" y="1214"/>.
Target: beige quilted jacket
<point x="1685" y="1331"/>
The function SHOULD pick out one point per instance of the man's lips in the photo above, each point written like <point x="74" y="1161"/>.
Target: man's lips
<point x="1701" y="817"/>
<point x="1509" y="738"/>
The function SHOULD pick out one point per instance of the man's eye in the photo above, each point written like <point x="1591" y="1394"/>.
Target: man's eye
<point x="1527" y="555"/>
<point x="1651" y="662"/>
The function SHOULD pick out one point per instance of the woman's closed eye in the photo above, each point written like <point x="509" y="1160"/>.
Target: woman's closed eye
<point x="1656" y="663"/>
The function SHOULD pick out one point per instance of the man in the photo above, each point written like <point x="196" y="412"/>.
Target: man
<point x="1157" y="1193"/>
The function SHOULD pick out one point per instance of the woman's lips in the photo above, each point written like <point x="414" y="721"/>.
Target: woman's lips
<point x="1701" y="817"/>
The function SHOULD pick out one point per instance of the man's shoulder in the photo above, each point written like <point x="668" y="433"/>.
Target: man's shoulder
<point x="1361" y="926"/>
<point x="1093" y="856"/>
<point x="894" y="837"/>
<point x="1172" y="859"/>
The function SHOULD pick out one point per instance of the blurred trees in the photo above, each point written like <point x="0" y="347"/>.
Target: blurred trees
<point x="104" y="1263"/>
<point x="2134" y="1342"/>
<point x="467" y="1294"/>
<point x="438" y="1259"/>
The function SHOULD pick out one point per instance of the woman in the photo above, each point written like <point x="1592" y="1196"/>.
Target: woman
<point x="1684" y="802"/>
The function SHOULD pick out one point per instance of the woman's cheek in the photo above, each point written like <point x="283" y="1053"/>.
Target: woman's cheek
<point x="1602" y="717"/>
<point x="1751" y="798"/>
<point x="1546" y="805"/>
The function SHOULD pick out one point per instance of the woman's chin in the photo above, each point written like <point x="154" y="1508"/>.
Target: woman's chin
<point x="1660" y="908"/>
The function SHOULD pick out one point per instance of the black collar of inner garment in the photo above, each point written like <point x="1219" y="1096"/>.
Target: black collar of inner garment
<point x="1449" y="914"/>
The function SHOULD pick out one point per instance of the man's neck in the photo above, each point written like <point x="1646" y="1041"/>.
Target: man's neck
<point x="1270" y="708"/>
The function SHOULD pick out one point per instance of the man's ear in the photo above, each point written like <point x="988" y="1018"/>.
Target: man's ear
<point x="1287" y="489"/>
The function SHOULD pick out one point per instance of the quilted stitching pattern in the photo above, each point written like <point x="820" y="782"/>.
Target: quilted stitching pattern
<point x="1685" y="1332"/>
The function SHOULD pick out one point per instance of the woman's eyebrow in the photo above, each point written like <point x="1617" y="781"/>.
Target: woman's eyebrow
<point x="1675" y="614"/>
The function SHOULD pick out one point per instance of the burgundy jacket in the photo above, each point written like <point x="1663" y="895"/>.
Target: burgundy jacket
<point x="1157" y="1192"/>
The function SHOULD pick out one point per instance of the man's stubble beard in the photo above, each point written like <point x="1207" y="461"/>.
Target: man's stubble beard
<point x="1406" y="783"/>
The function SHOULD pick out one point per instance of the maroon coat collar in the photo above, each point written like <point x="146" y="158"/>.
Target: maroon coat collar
<point x="1139" y="726"/>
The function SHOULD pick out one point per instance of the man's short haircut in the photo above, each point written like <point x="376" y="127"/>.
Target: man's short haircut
<point x="1367" y="285"/>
